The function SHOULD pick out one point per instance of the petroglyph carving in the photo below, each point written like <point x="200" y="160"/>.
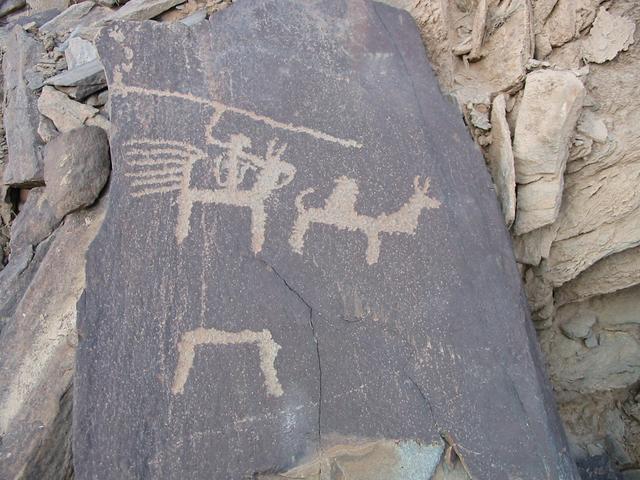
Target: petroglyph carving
<point x="219" y="108"/>
<point x="339" y="211"/>
<point x="267" y="351"/>
<point x="165" y="166"/>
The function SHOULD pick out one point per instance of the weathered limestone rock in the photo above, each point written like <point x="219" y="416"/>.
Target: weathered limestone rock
<point x="541" y="11"/>
<point x="540" y="296"/>
<point x="67" y="114"/>
<point x="600" y="210"/>
<point x="612" y="273"/>
<point x="500" y="160"/>
<point x="611" y="364"/>
<point x="546" y="119"/>
<point x="76" y="168"/>
<point x="579" y="327"/>
<point x="298" y="262"/>
<point x="609" y="35"/>
<point x="500" y="44"/>
<point x="21" y="116"/>
<point x="560" y="26"/>
<point x="592" y="126"/>
<point x="37" y="349"/>
<point x="578" y="369"/>
<point x="533" y="246"/>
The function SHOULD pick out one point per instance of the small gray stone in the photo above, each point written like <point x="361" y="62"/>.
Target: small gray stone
<point x="39" y="18"/>
<point x="98" y="99"/>
<point x="617" y="452"/>
<point x="591" y="341"/>
<point x="579" y="327"/>
<point x="79" y="52"/>
<point x="68" y="19"/>
<point x="76" y="168"/>
<point x="43" y="5"/>
<point x="65" y="113"/>
<point x="196" y="17"/>
<point x="34" y="79"/>
<point x="138" y="10"/>
<point x="47" y="130"/>
<point x="87" y="78"/>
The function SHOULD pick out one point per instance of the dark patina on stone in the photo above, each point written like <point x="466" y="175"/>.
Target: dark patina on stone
<point x="303" y="272"/>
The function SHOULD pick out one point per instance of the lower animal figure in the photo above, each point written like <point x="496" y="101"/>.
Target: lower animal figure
<point x="340" y="211"/>
<point x="267" y="351"/>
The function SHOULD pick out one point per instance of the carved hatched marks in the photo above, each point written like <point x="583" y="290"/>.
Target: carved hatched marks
<point x="267" y="352"/>
<point x="166" y="166"/>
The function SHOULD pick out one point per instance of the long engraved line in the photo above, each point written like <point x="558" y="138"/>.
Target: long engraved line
<point x="252" y="115"/>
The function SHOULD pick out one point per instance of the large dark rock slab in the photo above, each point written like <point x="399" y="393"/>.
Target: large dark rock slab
<point x="303" y="268"/>
<point x="25" y="165"/>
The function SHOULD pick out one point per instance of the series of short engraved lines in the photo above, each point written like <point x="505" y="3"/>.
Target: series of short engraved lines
<point x="221" y="108"/>
<point x="158" y="167"/>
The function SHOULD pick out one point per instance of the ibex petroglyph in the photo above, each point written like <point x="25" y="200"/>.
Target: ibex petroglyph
<point x="340" y="211"/>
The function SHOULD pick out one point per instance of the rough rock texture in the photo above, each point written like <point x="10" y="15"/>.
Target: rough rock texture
<point x="79" y="52"/>
<point x="69" y="18"/>
<point x="500" y="159"/>
<point x="609" y="35"/>
<point x="142" y="9"/>
<point x="612" y="273"/>
<point x="36" y="223"/>
<point x="76" y="168"/>
<point x="67" y="114"/>
<point x="21" y="116"/>
<point x="546" y="119"/>
<point x="312" y="270"/>
<point x="586" y="255"/>
<point x="81" y="81"/>
<point x="37" y="349"/>
<point x="581" y="267"/>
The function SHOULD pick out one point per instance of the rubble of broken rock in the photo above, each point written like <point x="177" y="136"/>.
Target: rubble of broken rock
<point x="548" y="89"/>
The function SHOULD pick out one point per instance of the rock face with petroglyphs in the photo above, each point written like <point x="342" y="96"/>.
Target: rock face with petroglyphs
<point x="303" y="271"/>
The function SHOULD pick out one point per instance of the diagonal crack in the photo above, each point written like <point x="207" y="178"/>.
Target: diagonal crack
<point x="315" y="339"/>
<point x="445" y="435"/>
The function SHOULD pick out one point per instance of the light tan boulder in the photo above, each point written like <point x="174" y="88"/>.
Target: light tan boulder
<point x="499" y="157"/>
<point x="609" y="35"/>
<point x="615" y="272"/>
<point x="546" y="120"/>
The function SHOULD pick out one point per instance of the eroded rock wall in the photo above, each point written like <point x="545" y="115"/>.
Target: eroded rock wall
<point x="549" y="90"/>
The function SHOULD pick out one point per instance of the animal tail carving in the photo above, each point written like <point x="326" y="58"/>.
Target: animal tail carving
<point x="156" y="167"/>
<point x="300" y="199"/>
